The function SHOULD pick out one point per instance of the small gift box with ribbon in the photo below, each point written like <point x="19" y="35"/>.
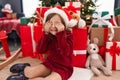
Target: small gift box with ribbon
<point x="73" y="6"/>
<point x="100" y="19"/>
<point x="79" y="47"/>
<point x="113" y="55"/>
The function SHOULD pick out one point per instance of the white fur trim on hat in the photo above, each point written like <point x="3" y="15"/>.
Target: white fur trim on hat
<point x="81" y="23"/>
<point x="57" y="11"/>
<point x="72" y="23"/>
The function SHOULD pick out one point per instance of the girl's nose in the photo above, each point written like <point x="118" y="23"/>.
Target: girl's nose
<point x="53" y="24"/>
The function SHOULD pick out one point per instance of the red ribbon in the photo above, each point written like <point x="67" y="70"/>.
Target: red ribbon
<point x="72" y="8"/>
<point x="114" y="50"/>
<point x="102" y="49"/>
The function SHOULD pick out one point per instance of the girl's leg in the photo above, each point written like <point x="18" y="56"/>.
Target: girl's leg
<point x="52" y="76"/>
<point x="36" y="71"/>
<point x="38" y="78"/>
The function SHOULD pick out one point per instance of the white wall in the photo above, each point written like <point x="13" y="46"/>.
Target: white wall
<point x="29" y="7"/>
<point x="106" y="5"/>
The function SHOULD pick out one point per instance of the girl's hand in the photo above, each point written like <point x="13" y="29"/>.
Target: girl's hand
<point x="46" y="27"/>
<point x="60" y="27"/>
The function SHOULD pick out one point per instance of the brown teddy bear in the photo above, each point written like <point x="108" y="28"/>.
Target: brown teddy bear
<point x="76" y="20"/>
<point x="95" y="61"/>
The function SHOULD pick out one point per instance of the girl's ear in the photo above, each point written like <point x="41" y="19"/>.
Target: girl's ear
<point x="96" y="40"/>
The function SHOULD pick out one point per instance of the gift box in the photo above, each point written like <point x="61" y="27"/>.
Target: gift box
<point x="24" y="21"/>
<point x="102" y="35"/>
<point x="41" y="11"/>
<point x="29" y="39"/>
<point x="118" y="19"/>
<point x="100" y="18"/>
<point x="73" y="6"/>
<point x="113" y="55"/>
<point x="79" y="47"/>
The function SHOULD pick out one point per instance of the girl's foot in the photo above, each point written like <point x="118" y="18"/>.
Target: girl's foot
<point x="17" y="68"/>
<point x="19" y="76"/>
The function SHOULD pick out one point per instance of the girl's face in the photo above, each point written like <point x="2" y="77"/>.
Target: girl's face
<point x="55" y="21"/>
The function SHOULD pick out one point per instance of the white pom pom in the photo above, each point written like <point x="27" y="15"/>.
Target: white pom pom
<point x="72" y="23"/>
<point x="81" y="23"/>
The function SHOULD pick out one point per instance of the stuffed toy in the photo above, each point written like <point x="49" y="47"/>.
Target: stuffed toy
<point x="76" y="21"/>
<point x="7" y="9"/>
<point x="95" y="61"/>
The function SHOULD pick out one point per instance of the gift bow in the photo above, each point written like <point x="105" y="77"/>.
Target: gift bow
<point x="72" y="8"/>
<point x="114" y="49"/>
<point x="98" y="16"/>
<point x="101" y="20"/>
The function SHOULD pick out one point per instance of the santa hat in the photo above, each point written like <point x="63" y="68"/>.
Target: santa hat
<point x="7" y="8"/>
<point x="66" y="17"/>
<point x="64" y="14"/>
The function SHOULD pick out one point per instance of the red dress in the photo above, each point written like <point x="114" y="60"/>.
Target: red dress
<point x="60" y="49"/>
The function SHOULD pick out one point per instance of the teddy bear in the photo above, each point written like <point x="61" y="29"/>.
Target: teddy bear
<point x="94" y="60"/>
<point x="76" y="21"/>
<point x="7" y="9"/>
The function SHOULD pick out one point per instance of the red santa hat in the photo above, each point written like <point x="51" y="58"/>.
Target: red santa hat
<point x="7" y="8"/>
<point x="63" y="13"/>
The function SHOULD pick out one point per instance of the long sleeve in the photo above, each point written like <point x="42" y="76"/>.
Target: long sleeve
<point x="65" y="42"/>
<point x="42" y="45"/>
<point x="70" y="40"/>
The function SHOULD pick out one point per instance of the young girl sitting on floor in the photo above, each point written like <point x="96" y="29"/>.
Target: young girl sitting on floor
<point x="57" y="41"/>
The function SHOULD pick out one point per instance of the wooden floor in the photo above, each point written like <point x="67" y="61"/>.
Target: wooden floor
<point x="4" y="73"/>
<point x="115" y="76"/>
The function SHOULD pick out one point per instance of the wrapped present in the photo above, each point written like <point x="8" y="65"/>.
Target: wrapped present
<point x="40" y="13"/>
<point x="103" y="34"/>
<point x="42" y="10"/>
<point x="79" y="47"/>
<point x="118" y="19"/>
<point x="100" y="18"/>
<point x="73" y="6"/>
<point x="24" y="21"/>
<point x="117" y="16"/>
<point x="113" y="55"/>
<point x="37" y="33"/>
<point x="29" y="39"/>
<point x="26" y="40"/>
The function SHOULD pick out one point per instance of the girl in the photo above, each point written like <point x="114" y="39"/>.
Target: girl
<point x="57" y="42"/>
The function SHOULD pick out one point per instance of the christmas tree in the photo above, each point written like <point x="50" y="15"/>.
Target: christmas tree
<point x="87" y="9"/>
<point x="49" y="3"/>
